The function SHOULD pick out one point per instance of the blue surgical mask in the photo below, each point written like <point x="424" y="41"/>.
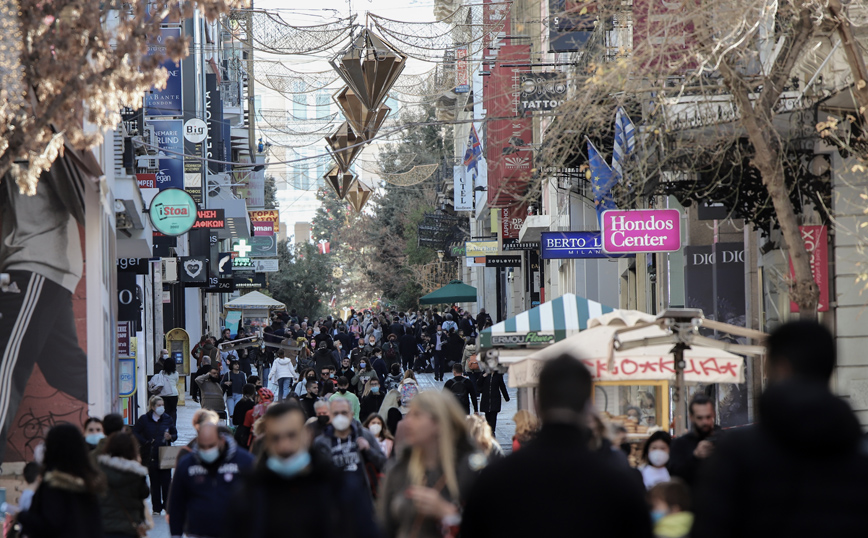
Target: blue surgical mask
<point x="331" y="376"/>
<point x="209" y="455"/>
<point x="657" y="515"/>
<point x="362" y="365"/>
<point x="375" y="389"/>
<point x="94" y="438"/>
<point x="289" y="467"/>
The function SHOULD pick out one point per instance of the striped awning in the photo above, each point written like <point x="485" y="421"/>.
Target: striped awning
<point x="547" y="323"/>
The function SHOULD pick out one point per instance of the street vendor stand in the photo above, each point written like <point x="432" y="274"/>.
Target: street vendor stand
<point x="254" y="308"/>
<point x="635" y="358"/>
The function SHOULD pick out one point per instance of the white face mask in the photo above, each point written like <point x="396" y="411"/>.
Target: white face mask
<point x="164" y="356"/>
<point x="658" y="458"/>
<point x="375" y="428"/>
<point x="159" y="410"/>
<point x="341" y="422"/>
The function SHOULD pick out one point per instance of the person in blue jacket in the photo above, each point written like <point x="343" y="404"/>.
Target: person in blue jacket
<point x="206" y="481"/>
<point x="154" y="429"/>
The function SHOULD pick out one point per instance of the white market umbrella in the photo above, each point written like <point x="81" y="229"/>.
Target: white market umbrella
<point x="703" y="364"/>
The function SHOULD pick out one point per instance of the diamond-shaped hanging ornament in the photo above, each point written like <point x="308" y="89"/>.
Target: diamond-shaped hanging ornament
<point x="358" y="195"/>
<point x="344" y="146"/>
<point x="363" y="120"/>
<point x="340" y="181"/>
<point x="370" y="67"/>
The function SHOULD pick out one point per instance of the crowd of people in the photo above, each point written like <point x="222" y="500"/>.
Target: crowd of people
<point x="345" y="449"/>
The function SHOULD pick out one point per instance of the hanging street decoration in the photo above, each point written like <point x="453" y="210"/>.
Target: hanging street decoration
<point x="363" y="120"/>
<point x="370" y="66"/>
<point x="358" y="195"/>
<point x="344" y="146"/>
<point x="340" y="181"/>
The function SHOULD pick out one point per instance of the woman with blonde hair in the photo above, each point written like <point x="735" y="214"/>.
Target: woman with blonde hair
<point x="424" y="491"/>
<point x="480" y="431"/>
<point x="526" y="428"/>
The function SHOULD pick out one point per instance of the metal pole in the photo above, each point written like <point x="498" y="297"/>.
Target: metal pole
<point x="679" y="391"/>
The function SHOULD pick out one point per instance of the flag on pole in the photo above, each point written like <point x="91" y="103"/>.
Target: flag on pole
<point x="625" y="142"/>
<point x="602" y="181"/>
<point x="473" y="151"/>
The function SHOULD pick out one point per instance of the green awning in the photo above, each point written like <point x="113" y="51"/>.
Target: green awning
<point x="454" y="292"/>
<point x="549" y="322"/>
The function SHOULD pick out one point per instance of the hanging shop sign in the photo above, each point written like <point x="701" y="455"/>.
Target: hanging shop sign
<point x="266" y="215"/>
<point x="462" y="189"/>
<point x="641" y="230"/>
<point x="531" y="338"/>
<point x="170" y="155"/>
<point x="514" y="245"/>
<point x="210" y="218"/>
<point x="168" y="101"/>
<point x="480" y="248"/>
<point x="193" y="271"/>
<point x="263" y="229"/>
<point x="503" y="261"/>
<point x="462" y="71"/>
<point x="571" y="24"/>
<point x="573" y="245"/>
<point x="817" y="244"/>
<point x="173" y="212"/>
<point x="542" y="91"/>
<point x="261" y="265"/>
<point x="261" y="246"/>
<point x="138" y="266"/>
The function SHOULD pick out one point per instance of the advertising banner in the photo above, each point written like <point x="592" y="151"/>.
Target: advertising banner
<point x="147" y="181"/>
<point x="817" y="245"/>
<point x="541" y="91"/>
<point x="573" y="245"/>
<point x="173" y="212"/>
<point x="463" y="192"/>
<point x="169" y="100"/>
<point x="263" y="228"/>
<point x="266" y="215"/>
<point x="663" y="34"/>
<point x="509" y="155"/>
<point x="266" y="265"/>
<point x="261" y="246"/>
<point x="480" y="248"/>
<point x="193" y="271"/>
<point x="698" y="272"/>
<point x="210" y="218"/>
<point x="641" y="230"/>
<point x="462" y="71"/>
<point x="214" y="119"/>
<point x="511" y="220"/>
<point x="503" y="261"/>
<point x="195" y="134"/>
<point x="170" y="155"/>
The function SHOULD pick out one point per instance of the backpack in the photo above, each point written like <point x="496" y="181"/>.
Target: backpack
<point x="408" y="392"/>
<point x="459" y="389"/>
<point x="473" y="363"/>
<point x="391" y="354"/>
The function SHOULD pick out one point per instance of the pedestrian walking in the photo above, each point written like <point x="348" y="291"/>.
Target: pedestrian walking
<point x="424" y="491"/>
<point x="491" y="387"/>
<point x="283" y="374"/>
<point x="372" y="400"/>
<point x="394" y="378"/>
<point x="526" y="428"/>
<point x="407" y="345"/>
<point x="153" y="430"/>
<point x="573" y="486"/>
<point x="799" y="471"/>
<point x="377" y="426"/>
<point x="211" y="391"/>
<point x="122" y="503"/>
<point x="463" y="389"/>
<point x="310" y="398"/>
<point x="344" y="393"/>
<point x="363" y="375"/>
<point x="93" y="432"/>
<point x="233" y="385"/>
<point x="205" y="483"/>
<point x="307" y="375"/>
<point x="355" y="452"/>
<point x="292" y="489"/>
<point x="66" y="503"/>
<point x="655" y="456"/>
<point x="169" y="392"/>
<point x="690" y="451"/>
<point x="670" y="509"/>
<point x="480" y="432"/>
<point x="247" y="403"/>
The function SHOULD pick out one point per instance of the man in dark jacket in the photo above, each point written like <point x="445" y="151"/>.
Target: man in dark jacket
<point x="462" y="388"/>
<point x="573" y="486"/>
<point x="288" y="486"/>
<point x="407" y="348"/>
<point x="324" y="358"/>
<point x="396" y="327"/>
<point x="799" y="470"/>
<point x="689" y="452"/>
<point x="324" y="336"/>
<point x="391" y="352"/>
<point x="205" y="482"/>
<point x="491" y="386"/>
<point x="350" y="448"/>
<point x="153" y="430"/>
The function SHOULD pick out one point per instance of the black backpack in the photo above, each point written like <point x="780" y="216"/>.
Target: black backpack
<point x="459" y="389"/>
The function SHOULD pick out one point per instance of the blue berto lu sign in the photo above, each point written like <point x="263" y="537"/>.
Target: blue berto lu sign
<point x="573" y="245"/>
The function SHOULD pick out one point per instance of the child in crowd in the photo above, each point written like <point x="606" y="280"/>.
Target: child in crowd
<point x="670" y="509"/>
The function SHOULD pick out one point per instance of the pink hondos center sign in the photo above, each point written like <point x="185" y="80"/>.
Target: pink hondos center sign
<point x="641" y="230"/>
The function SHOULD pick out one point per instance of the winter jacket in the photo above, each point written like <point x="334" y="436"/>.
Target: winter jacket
<point x="407" y="346"/>
<point x="491" y="386"/>
<point x="238" y="381"/>
<point x="282" y="368"/>
<point x="682" y="462"/>
<point x="574" y="487"/>
<point x="374" y="456"/>
<point x="393" y="381"/>
<point x="363" y="376"/>
<point x="122" y="504"/>
<point x="62" y="507"/>
<point x="307" y="403"/>
<point x="798" y="472"/>
<point x="324" y="358"/>
<point x="211" y="393"/>
<point x="466" y="395"/>
<point x="270" y="506"/>
<point x="202" y="492"/>
<point x="151" y="433"/>
<point x="241" y="409"/>
<point x="370" y="404"/>
<point x="380" y="366"/>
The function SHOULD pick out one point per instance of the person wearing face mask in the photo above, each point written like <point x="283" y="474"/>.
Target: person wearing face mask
<point x="154" y="429"/>
<point x="364" y="373"/>
<point x="372" y="399"/>
<point x="205" y="483"/>
<point x="377" y="426"/>
<point x="93" y="432"/>
<point x="379" y="364"/>
<point x="344" y="392"/>
<point x="289" y="483"/>
<point x="211" y="391"/>
<point x="310" y="398"/>
<point x="307" y="375"/>
<point x="655" y="456"/>
<point x="351" y="448"/>
<point x="670" y="509"/>
<point x="317" y="424"/>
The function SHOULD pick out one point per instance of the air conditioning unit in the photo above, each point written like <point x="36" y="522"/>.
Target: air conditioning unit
<point x="169" y="269"/>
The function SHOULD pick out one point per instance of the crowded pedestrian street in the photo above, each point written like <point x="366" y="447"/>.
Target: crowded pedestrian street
<point x="433" y="269"/>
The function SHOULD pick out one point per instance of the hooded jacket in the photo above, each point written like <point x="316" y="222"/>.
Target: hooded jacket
<point x="62" y="507"/>
<point x="324" y="358"/>
<point x="283" y="368"/>
<point x="202" y="492"/>
<point x="122" y="503"/>
<point x="798" y="473"/>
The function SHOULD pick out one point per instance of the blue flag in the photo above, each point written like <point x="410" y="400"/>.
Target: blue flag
<point x="473" y="151"/>
<point x="602" y="181"/>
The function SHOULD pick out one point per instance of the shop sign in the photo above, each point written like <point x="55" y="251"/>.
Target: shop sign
<point x="503" y="261"/>
<point x="171" y="159"/>
<point x="573" y="245"/>
<point x="542" y="91"/>
<point x="168" y="101"/>
<point x="817" y="244"/>
<point x="266" y="215"/>
<point x="522" y="339"/>
<point x="641" y="230"/>
<point x="266" y="265"/>
<point x="193" y="271"/>
<point x="138" y="266"/>
<point x="263" y="229"/>
<point x="462" y="71"/>
<point x="210" y="218"/>
<point x="173" y="212"/>
<point x="515" y="244"/>
<point x="480" y="248"/>
<point x="147" y="181"/>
